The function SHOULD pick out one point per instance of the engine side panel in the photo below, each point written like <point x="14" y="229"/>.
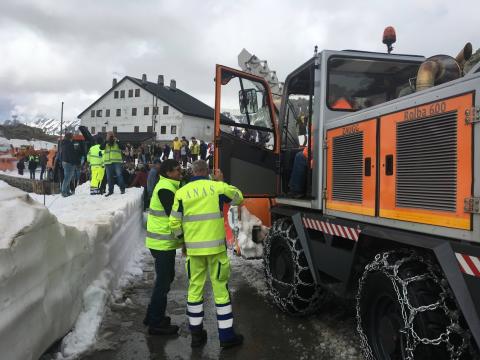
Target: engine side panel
<point x="351" y="164"/>
<point x="431" y="150"/>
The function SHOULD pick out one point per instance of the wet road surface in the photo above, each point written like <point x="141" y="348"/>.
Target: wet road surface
<point x="269" y="334"/>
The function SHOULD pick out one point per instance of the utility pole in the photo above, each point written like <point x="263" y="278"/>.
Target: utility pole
<point x="61" y="122"/>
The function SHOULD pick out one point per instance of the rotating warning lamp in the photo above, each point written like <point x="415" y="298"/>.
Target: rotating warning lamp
<point x="389" y="37"/>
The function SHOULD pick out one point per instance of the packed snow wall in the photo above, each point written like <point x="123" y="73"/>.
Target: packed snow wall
<point x="49" y="258"/>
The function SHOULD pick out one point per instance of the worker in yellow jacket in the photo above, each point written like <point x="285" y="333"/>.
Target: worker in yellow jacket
<point x="197" y="218"/>
<point x="97" y="169"/>
<point x="176" y="146"/>
<point x="162" y="245"/>
<point x="194" y="150"/>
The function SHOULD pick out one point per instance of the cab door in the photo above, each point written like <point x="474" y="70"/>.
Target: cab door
<point x="246" y="133"/>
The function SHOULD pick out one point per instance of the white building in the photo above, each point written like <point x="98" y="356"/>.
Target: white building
<point x="136" y="109"/>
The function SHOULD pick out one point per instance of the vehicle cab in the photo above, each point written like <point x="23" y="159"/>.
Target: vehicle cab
<point x="257" y="142"/>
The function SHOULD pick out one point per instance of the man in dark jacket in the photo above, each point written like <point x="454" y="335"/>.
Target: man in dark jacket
<point x="203" y="150"/>
<point x="32" y="165"/>
<point x="43" y="164"/>
<point x="166" y="152"/>
<point x="21" y="166"/>
<point x="153" y="176"/>
<point x="69" y="158"/>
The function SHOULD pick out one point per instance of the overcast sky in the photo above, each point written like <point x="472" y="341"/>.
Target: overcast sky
<point x="59" y="50"/>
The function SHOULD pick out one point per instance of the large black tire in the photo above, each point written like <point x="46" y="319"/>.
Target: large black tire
<point x="405" y="310"/>
<point x="287" y="274"/>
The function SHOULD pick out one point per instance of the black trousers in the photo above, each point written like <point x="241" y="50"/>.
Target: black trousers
<point x="164" y="275"/>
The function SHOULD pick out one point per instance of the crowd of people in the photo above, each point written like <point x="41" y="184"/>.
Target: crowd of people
<point x="110" y="161"/>
<point x="32" y="163"/>
<point x="181" y="150"/>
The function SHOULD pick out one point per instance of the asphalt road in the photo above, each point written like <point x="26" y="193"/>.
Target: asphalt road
<point x="269" y="334"/>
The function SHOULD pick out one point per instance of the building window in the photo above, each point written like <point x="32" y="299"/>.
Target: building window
<point x="104" y="129"/>
<point x="130" y="93"/>
<point x="92" y="113"/>
<point x="115" y="129"/>
<point x="115" y="94"/>
<point x="93" y="129"/>
<point x="155" y="110"/>
<point x="134" y="111"/>
<point x="163" y="129"/>
<point x="119" y="112"/>
<point x="122" y="94"/>
<point x="165" y="110"/>
<point x="135" y="129"/>
<point x="150" y="129"/>
<point x="137" y="92"/>
<point x="107" y="113"/>
<point x="99" y="113"/>
<point x="173" y="129"/>
<point x="146" y="110"/>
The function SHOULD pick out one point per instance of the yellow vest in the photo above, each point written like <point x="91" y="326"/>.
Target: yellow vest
<point x="159" y="236"/>
<point x="112" y="154"/>
<point x="195" y="149"/>
<point x="94" y="156"/>
<point x="197" y="215"/>
<point x="177" y="145"/>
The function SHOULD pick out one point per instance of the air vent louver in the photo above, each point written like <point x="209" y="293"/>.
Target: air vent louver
<point x="348" y="168"/>
<point x="426" y="165"/>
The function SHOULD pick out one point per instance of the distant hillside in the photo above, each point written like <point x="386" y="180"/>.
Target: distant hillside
<point x="52" y="126"/>
<point x="17" y="130"/>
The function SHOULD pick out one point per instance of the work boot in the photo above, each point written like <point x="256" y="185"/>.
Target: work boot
<point x="122" y="191"/>
<point x="108" y="194"/>
<point x="164" y="328"/>
<point x="199" y="338"/>
<point x="235" y="341"/>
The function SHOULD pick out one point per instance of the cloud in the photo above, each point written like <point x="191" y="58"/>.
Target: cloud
<point x="55" y="51"/>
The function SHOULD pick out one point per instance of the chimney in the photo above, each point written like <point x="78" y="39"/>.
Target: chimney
<point x="114" y="82"/>
<point x="173" y="85"/>
<point x="160" y="80"/>
<point x="144" y="78"/>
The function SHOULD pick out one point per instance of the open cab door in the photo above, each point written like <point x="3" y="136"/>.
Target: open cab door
<point x="246" y="133"/>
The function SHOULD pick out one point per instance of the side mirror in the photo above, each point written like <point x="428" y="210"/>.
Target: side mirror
<point x="248" y="101"/>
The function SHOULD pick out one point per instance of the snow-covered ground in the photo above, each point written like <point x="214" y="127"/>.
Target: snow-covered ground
<point x="60" y="263"/>
<point x="26" y="173"/>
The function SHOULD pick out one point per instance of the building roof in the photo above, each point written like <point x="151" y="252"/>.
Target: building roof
<point x="180" y="100"/>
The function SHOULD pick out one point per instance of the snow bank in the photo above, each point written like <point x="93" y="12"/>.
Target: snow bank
<point x="26" y="173"/>
<point x="59" y="263"/>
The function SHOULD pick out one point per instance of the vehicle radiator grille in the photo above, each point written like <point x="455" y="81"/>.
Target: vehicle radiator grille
<point x="426" y="175"/>
<point x="348" y="168"/>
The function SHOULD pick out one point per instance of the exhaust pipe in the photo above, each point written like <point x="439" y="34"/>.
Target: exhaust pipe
<point x="464" y="55"/>
<point x="440" y="69"/>
<point x="426" y="75"/>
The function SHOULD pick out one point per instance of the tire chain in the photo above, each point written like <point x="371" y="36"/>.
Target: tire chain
<point x="384" y="264"/>
<point x="281" y="228"/>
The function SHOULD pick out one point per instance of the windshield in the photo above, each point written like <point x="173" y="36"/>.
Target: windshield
<point x="355" y="84"/>
<point x="245" y="111"/>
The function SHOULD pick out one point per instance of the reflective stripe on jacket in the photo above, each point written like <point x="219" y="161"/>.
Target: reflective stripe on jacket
<point x="94" y="156"/>
<point x="196" y="215"/>
<point x="112" y="154"/>
<point x="159" y="236"/>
